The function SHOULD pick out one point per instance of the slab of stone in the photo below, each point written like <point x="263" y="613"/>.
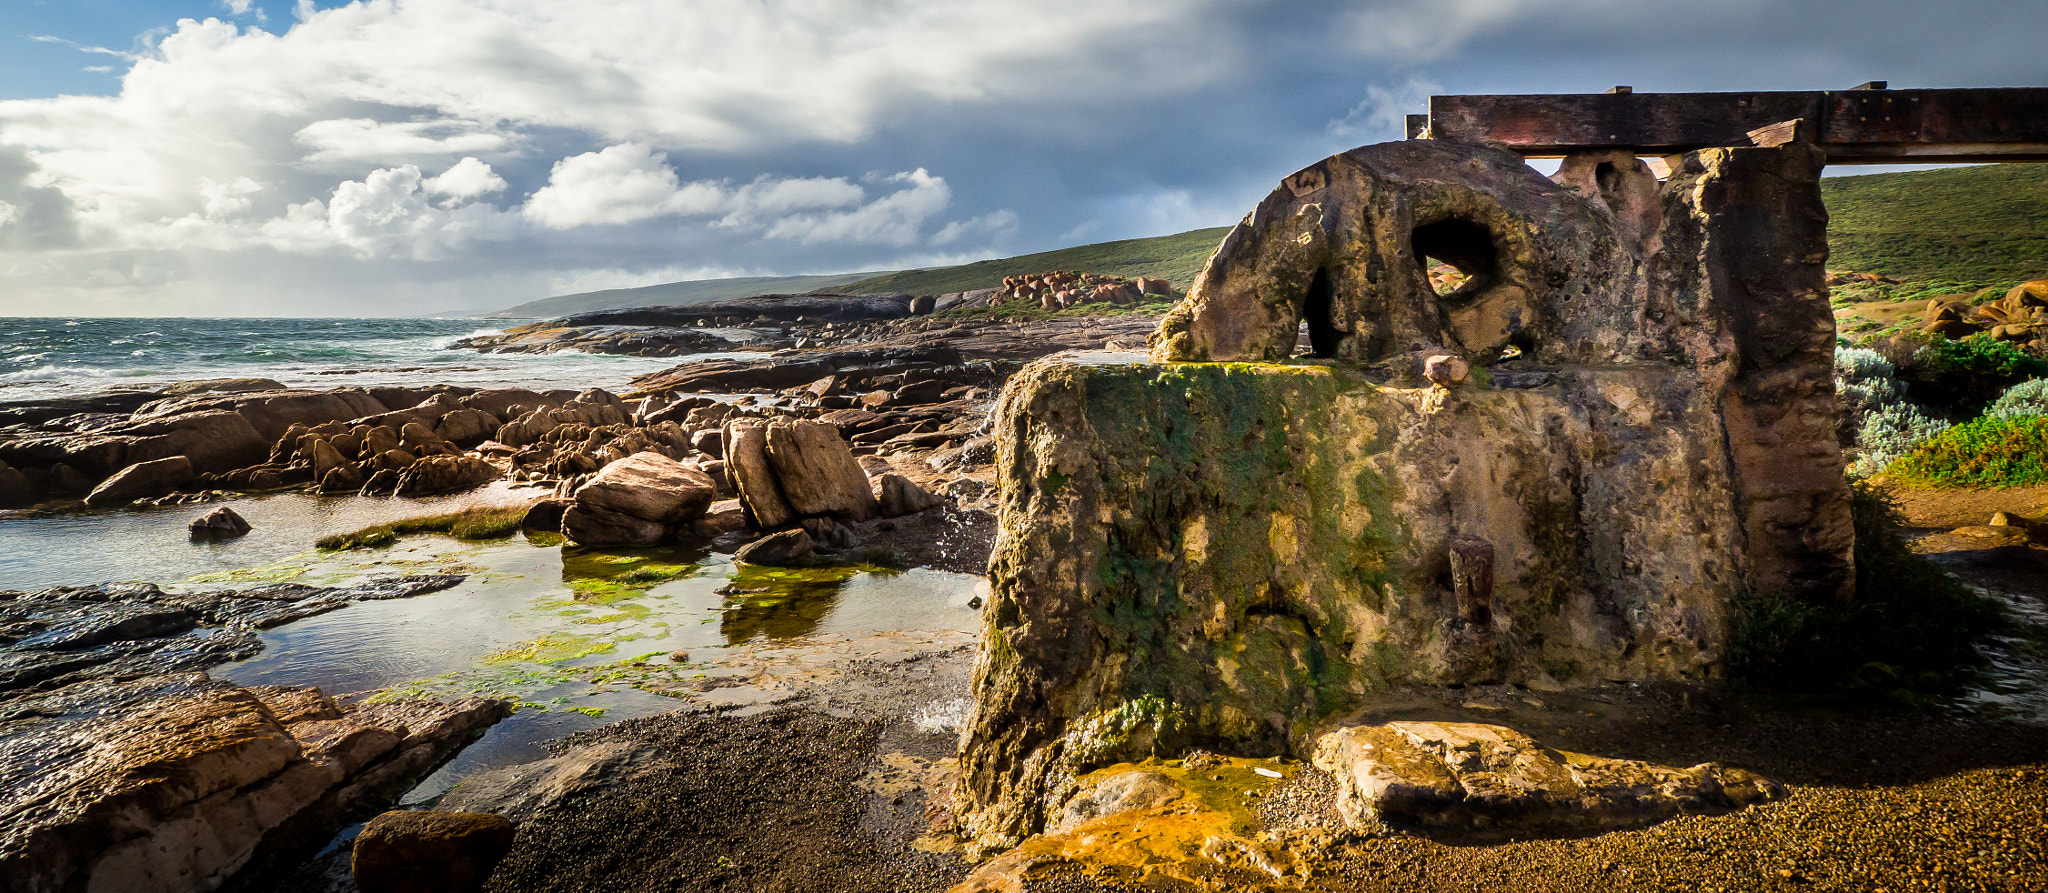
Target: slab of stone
<point x="429" y="851"/>
<point x="818" y="473"/>
<point x="1492" y="781"/>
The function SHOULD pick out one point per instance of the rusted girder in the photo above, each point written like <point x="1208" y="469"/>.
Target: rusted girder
<point x="1869" y="125"/>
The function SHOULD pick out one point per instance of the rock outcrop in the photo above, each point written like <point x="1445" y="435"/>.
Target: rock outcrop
<point x="142" y="480"/>
<point x="1644" y="431"/>
<point x="1491" y="782"/>
<point x="637" y="501"/>
<point x="194" y="782"/>
<point x="429" y="851"/>
<point x="2021" y="316"/>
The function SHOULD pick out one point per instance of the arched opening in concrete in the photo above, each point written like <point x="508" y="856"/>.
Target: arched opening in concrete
<point x="1462" y="245"/>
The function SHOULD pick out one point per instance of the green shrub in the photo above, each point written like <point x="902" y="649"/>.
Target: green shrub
<point x="1958" y="378"/>
<point x="2023" y="399"/>
<point x="1909" y="632"/>
<point x="481" y="523"/>
<point x="1985" y="452"/>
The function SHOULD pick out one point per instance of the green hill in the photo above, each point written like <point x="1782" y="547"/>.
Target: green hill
<point x="695" y="291"/>
<point x="1971" y="225"/>
<point x="1176" y="258"/>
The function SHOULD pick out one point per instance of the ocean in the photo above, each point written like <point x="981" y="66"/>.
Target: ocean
<point x="43" y="358"/>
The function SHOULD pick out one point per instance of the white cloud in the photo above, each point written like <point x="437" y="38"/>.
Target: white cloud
<point x="370" y="140"/>
<point x="469" y="178"/>
<point x="626" y="183"/>
<point x="8" y="213"/>
<point x="385" y="215"/>
<point x="242" y="8"/>
<point x="1383" y="114"/>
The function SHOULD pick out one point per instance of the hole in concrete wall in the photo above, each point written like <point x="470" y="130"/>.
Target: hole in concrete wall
<point x="1466" y="248"/>
<point x="1317" y="310"/>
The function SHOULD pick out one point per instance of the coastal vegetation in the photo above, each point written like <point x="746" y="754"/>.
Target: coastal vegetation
<point x="1176" y="258"/>
<point x="474" y="523"/>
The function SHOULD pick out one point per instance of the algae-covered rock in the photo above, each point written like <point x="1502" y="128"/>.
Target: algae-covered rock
<point x="1643" y="429"/>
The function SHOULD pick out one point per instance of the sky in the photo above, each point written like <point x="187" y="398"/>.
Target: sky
<point x="400" y="157"/>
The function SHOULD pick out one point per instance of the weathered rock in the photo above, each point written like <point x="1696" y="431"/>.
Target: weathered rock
<point x="1271" y="543"/>
<point x="637" y="501"/>
<point x="778" y="550"/>
<point x="817" y="473"/>
<point x="221" y="523"/>
<point x="898" y="496"/>
<point x="142" y="481"/>
<point x="747" y="465"/>
<point x="1492" y="781"/>
<point x="828" y="533"/>
<point x="421" y="851"/>
<point x="190" y="782"/>
<point x="445" y="474"/>
<point x="467" y="427"/>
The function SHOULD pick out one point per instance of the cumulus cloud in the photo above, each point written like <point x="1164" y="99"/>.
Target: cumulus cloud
<point x="469" y="178"/>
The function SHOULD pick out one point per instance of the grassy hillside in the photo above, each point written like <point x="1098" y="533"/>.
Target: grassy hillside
<point x="1984" y="225"/>
<point x="1175" y="258"/>
<point x="696" y="291"/>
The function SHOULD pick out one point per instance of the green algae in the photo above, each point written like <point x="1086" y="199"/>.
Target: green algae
<point x="604" y="578"/>
<point x="552" y="648"/>
<point x="783" y="602"/>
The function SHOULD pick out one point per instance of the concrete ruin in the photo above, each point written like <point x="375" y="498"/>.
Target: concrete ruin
<point x="1565" y="470"/>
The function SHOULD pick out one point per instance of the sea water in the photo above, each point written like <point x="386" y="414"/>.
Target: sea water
<point x="43" y="358"/>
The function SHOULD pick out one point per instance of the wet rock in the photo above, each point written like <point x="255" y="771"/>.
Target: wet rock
<point x="817" y="472"/>
<point x="1122" y="792"/>
<point x="15" y="487"/>
<point x="446" y="474"/>
<point x="898" y="496"/>
<point x="141" y="481"/>
<point x="1495" y="782"/>
<point x="180" y="783"/>
<point x="429" y="851"/>
<point x="546" y="515"/>
<point x="221" y="523"/>
<point x="637" y="501"/>
<point x="784" y="549"/>
<point x="522" y="791"/>
<point x="829" y="534"/>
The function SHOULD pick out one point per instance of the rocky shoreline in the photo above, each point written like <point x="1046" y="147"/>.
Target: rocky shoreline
<point x="857" y="434"/>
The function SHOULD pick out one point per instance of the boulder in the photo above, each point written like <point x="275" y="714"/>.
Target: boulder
<point x="467" y="427"/>
<point x="817" y="471"/>
<point x="898" y="496"/>
<point x="778" y="550"/>
<point x="15" y="487"/>
<point x="546" y="515"/>
<point x="828" y="533"/>
<point x="1494" y="782"/>
<point x="751" y="473"/>
<point x="637" y="501"/>
<point x="143" y="480"/>
<point x="429" y="851"/>
<point x="445" y="474"/>
<point x="221" y="523"/>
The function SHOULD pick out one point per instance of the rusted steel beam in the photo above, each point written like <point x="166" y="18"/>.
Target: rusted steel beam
<point x="1863" y="126"/>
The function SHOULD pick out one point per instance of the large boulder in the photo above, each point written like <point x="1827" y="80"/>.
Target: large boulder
<point x="817" y="471"/>
<point x="747" y="465"/>
<point x="1494" y="782"/>
<point x="143" y="480"/>
<point x="429" y="851"/>
<point x="637" y="501"/>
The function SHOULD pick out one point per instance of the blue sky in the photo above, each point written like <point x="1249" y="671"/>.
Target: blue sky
<point x="390" y="156"/>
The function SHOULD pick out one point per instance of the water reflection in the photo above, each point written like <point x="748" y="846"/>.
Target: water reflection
<point x="779" y="603"/>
